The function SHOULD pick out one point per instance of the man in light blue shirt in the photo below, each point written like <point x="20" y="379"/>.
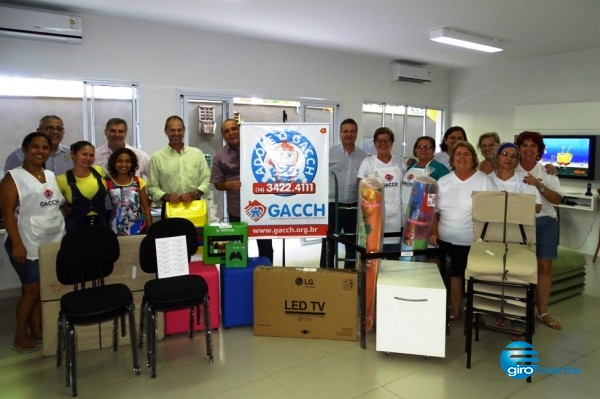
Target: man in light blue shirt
<point x="59" y="160"/>
<point x="344" y="161"/>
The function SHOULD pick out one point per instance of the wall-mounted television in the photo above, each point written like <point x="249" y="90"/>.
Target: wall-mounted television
<point x="574" y="156"/>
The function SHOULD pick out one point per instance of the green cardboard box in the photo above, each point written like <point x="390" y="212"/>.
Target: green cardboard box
<point x="216" y="238"/>
<point x="236" y="254"/>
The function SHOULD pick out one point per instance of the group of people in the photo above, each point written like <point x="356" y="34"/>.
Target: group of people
<point x="510" y="167"/>
<point x="49" y="189"/>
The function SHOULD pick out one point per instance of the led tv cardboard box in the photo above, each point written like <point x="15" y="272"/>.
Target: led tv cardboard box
<point x="305" y="303"/>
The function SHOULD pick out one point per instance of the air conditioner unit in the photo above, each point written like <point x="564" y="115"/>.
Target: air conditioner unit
<point x="45" y="25"/>
<point x="410" y="73"/>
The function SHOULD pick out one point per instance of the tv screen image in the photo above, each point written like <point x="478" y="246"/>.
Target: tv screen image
<point x="573" y="156"/>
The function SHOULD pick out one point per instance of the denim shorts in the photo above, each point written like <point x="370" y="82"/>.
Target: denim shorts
<point x="546" y="237"/>
<point x="28" y="272"/>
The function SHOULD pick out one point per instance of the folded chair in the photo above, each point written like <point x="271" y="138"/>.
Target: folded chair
<point x="86" y="256"/>
<point x="502" y="267"/>
<point x="187" y="291"/>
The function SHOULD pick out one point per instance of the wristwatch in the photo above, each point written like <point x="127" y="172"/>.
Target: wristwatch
<point x="542" y="188"/>
<point x="198" y="194"/>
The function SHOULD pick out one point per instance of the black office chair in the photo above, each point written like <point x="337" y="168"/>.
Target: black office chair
<point x="86" y="256"/>
<point x="172" y="293"/>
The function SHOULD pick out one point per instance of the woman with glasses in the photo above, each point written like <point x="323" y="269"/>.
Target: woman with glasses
<point x="390" y="169"/>
<point x="452" y="227"/>
<point x="505" y="161"/>
<point x="487" y="145"/>
<point x="425" y="165"/>
<point x="531" y="146"/>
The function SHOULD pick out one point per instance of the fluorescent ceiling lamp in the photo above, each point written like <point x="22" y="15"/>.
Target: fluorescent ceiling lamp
<point x="467" y="40"/>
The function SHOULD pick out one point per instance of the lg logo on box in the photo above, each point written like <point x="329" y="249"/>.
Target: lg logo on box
<point x="304" y="281"/>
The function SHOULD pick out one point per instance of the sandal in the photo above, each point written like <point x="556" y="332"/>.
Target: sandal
<point x="518" y="330"/>
<point x="30" y="348"/>
<point x="38" y="341"/>
<point x="457" y="317"/>
<point x="501" y="322"/>
<point x="548" y="321"/>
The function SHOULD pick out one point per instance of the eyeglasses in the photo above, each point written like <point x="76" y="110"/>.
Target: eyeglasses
<point x="424" y="147"/>
<point x="507" y="155"/>
<point x="487" y="146"/>
<point x="59" y="129"/>
<point x="383" y="141"/>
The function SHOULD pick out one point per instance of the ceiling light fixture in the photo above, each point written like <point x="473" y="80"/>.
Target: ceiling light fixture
<point x="467" y="40"/>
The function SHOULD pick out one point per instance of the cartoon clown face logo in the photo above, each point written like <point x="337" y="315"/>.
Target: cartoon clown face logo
<point x="284" y="156"/>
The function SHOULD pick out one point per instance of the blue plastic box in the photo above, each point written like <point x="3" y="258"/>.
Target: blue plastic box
<point x="237" y="287"/>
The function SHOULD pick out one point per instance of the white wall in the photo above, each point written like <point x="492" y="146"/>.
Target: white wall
<point x="163" y="59"/>
<point x="485" y="99"/>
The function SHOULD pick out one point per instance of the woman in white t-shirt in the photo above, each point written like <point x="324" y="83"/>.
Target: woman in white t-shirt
<point x="505" y="160"/>
<point x="452" y="227"/>
<point x="531" y="146"/>
<point x="390" y="169"/>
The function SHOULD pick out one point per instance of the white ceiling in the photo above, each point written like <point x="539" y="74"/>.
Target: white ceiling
<point x="394" y="29"/>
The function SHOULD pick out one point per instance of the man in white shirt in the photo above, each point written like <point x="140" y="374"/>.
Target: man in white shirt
<point x="344" y="160"/>
<point x="116" y="132"/>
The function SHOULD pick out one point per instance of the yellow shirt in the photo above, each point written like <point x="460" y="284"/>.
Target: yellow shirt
<point x="88" y="186"/>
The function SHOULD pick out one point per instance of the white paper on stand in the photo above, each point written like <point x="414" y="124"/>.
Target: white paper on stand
<point x="171" y="257"/>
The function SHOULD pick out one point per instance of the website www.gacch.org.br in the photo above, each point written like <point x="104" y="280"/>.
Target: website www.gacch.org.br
<point x="302" y="230"/>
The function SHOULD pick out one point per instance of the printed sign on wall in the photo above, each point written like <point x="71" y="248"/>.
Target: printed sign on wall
<point x="284" y="174"/>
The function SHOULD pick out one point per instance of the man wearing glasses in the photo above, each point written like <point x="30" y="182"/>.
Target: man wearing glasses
<point x="60" y="159"/>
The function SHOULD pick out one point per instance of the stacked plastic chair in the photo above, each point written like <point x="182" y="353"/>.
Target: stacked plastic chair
<point x="502" y="267"/>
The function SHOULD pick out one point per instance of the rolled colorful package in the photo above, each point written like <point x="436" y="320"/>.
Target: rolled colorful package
<point x="371" y="205"/>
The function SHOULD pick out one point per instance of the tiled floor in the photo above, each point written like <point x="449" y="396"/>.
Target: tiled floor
<point x="249" y="367"/>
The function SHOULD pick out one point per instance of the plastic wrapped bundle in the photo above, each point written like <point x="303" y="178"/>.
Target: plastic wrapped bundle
<point x="420" y="212"/>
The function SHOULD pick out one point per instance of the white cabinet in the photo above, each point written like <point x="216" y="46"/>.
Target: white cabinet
<point x="411" y="309"/>
<point x="580" y="202"/>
